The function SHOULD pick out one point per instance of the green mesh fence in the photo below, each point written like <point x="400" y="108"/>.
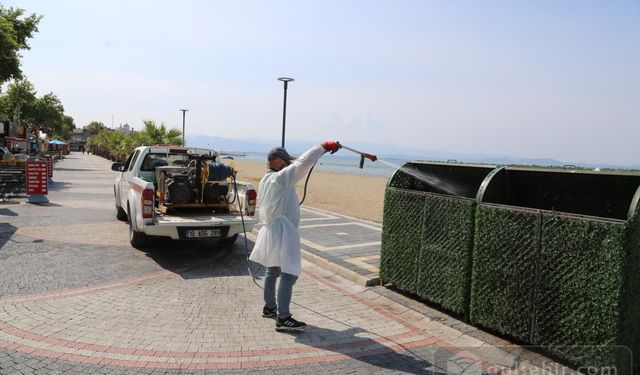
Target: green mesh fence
<point x="402" y="225"/>
<point x="504" y="270"/>
<point x="548" y="257"/>
<point x="428" y="230"/>
<point x="445" y="254"/>
<point x="578" y="299"/>
<point x="629" y="335"/>
<point x="569" y="284"/>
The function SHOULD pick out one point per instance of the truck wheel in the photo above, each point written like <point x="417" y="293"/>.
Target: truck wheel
<point x="136" y="238"/>
<point x="231" y="239"/>
<point x="121" y="214"/>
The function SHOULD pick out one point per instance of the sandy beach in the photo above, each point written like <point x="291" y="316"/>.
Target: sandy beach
<point x="361" y="197"/>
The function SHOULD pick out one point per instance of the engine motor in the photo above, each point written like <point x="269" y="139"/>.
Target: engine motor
<point x="179" y="189"/>
<point x="202" y="180"/>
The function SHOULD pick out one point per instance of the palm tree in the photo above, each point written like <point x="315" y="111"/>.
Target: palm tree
<point x="116" y="146"/>
<point x="160" y="135"/>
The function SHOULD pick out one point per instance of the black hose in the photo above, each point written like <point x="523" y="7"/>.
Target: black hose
<point x="254" y="275"/>
<point x="304" y="193"/>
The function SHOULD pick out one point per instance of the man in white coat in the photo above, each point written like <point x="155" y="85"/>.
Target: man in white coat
<point x="277" y="246"/>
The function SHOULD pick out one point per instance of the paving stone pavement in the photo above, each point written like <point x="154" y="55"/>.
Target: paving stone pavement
<point x="76" y="298"/>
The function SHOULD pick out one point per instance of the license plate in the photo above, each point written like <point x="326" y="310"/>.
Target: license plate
<point x="203" y="233"/>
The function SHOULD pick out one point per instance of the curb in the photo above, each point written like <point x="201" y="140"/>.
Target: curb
<point x="338" y="270"/>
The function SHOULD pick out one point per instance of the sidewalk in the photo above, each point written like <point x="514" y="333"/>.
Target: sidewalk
<point x="76" y="298"/>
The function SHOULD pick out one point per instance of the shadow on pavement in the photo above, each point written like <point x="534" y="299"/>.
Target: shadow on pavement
<point x="199" y="259"/>
<point x="6" y="231"/>
<point x="59" y="185"/>
<point x="45" y="204"/>
<point x="75" y="170"/>
<point x="370" y="351"/>
<point x="7" y="212"/>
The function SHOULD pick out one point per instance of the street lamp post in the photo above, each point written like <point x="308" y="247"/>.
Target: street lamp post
<point x="286" y="81"/>
<point x="184" y="111"/>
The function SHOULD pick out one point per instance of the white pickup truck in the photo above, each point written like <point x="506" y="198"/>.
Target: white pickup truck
<point x="182" y="193"/>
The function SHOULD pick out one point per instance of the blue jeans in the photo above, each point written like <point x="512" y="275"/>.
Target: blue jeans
<point x="285" y="290"/>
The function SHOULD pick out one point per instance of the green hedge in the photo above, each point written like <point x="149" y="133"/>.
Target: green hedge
<point x="444" y="265"/>
<point x="504" y="270"/>
<point x="579" y="294"/>
<point x="426" y="246"/>
<point x="568" y="284"/>
<point x="629" y="334"/>
<point x="401" y="230"/>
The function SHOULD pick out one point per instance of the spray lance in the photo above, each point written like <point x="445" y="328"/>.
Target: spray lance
<point x="363" y="155"/>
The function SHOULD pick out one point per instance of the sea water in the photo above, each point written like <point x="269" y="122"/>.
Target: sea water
<point x="347" y="163"/>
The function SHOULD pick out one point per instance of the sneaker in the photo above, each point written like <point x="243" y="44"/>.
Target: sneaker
<point x="289" y="324"/>
<point x="269" y="313"/>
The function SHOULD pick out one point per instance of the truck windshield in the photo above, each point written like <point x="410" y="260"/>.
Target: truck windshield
<point x="151" y="161"/>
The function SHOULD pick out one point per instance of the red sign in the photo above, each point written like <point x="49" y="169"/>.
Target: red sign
<point x="37" y="177"/>
<point x="50" y="165"/>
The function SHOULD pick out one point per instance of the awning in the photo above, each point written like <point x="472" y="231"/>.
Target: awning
<point x="15" y="139"/>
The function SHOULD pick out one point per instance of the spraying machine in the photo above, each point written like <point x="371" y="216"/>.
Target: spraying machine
<point x="202" y="182"/>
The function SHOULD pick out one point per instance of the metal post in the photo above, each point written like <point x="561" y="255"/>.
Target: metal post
<point x="183" y="113"/>
<point x="286" y="81"/>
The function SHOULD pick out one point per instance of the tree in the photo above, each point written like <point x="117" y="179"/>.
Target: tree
<point x="116" y="146"/>
<point x="160" y="135"/>
<point x="46" y="112"/>
<point x="110" y="144"/>
<point x="20" y="98"/>
<point x="14" y="32"/>
<point x="95" y="127"/>
<point x="66" y="128"/>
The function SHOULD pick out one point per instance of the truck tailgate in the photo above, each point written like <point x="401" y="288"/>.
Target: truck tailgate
<point x="201" y="220"/>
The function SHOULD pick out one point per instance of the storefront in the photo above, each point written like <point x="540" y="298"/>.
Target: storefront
<point x="18" y="145"/>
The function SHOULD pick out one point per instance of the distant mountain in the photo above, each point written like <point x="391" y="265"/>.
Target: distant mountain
<point x="231" y="145"/>
<point x="381" y="149"/>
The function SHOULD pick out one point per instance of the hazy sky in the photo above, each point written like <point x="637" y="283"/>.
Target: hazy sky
<point x="557" y="79"/>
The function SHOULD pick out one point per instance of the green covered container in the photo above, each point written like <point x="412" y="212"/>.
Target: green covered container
<point x="555" y="262"/>
<point x="428" y="230"/>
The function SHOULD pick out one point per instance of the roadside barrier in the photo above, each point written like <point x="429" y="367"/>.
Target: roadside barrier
<point x="554" y="257"/>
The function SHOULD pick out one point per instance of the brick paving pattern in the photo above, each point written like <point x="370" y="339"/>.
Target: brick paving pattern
<point x="76" y="298"/>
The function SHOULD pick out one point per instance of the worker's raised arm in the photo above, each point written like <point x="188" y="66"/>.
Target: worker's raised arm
<point x="301" y="166"/>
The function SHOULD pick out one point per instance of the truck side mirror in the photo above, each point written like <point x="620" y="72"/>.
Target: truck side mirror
<point x="117" y="167"/>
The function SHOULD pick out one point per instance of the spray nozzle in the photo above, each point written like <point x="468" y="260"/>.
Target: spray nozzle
<point x="369" y="156"/>
<point x="363" y="155"/>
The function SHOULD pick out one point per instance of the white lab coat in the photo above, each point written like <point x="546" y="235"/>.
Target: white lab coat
<point x="278" y="242"/>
